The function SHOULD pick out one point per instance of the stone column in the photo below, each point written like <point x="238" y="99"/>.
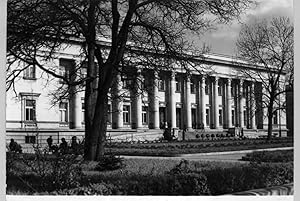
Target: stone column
<point x="75" y="102"/>
<point x="229" y="102"/>
<point x="241" y="109"/>
<point x="253" y="107"/>
<point x="138" y="101"/>
<point x="155" y="103"/>
<point x="188" y="103"/>
<point x="77" y="110"/>
<point x="216" y="105"/>
<point x="172" y="101"/>
<point x="117" y="104"/>
<point x="203" y="106"/>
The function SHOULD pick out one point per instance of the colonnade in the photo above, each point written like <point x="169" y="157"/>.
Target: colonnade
<point x="221" y="102"/>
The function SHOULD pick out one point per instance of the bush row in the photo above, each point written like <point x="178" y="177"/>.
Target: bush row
<point x="270" y="156"/>
<point x="184" y="179"/>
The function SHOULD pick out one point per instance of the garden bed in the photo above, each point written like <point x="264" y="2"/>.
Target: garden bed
<point x="176" y="148"/>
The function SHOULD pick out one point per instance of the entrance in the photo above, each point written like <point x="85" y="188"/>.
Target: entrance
<point x="162" y="117"/>
<point x="194" y="118"/>
<point x="178" y="118"/>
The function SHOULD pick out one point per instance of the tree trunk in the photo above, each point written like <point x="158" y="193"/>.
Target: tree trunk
<point x="270" y="118"/>
<point x="96" y="132"/>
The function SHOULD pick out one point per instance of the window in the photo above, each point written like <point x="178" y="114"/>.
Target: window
<point x="178" y="87"/>
<point x="65" y="65"/>
<point x="145" y="115"/>
<point x="193" y="87"/>
<point x="29" y="72"/>
<point x="245" y="118"/>
<point x="126" y="114"/>
<point x="127" y="84"/>
<point x="206" y="88"/>
<point x="275" y="118"/>
<point x="220" y="91"/>
<point x="244" y="91"/>
<point x="109" y="114"/>
<point x="82" y="111"/>
<point x="232" y="91"/>
<point x="63" y="111"/>
<point x="30" y="139"/>
<point x="220" y="117"/>
<point x="30" y="112"/>
<point x="207" y="117"/>
<point x="161" y="85"/>
<point x="232" y="117"/>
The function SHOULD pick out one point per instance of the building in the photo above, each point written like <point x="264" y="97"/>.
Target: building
<point x="213" y="100"/>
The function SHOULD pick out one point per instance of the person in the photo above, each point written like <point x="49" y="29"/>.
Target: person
<point x="63" y="147"/>
<point x="14" y="146"/>
<point x="74" y="145"/>
<point x="49" y="142"/>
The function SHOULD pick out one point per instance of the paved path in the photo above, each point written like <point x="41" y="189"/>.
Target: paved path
<point x="230" y="156"/>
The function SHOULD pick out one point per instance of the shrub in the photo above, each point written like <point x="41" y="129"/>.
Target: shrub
<point x="49" y="172"/>
<point x="92" y="189"/>
<point x="110" y="162"/>
<point x="253" y="176"/>
<point x="270" y="156"/>
<point x="167" y="135"/>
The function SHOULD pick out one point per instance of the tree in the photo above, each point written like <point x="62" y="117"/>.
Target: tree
<point x="269" y="46"/>
<point x="148" y="33"/>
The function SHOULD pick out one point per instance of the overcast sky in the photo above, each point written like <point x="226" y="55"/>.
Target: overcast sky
<point x="222" y="40"/>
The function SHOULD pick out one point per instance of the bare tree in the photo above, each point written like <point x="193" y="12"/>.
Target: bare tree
<point x="148" y="33"/>
<point x="269" y="46"/>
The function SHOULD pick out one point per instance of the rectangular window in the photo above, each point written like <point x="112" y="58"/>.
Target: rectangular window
<point x="232" y="117"/>
<point x="82" y="111"/>
<point x="245" y="118"/>
<point x="109" y="116"/>
<point x="126" y="114"/>
<point x="220" y="91"/>
<point x="145" y="115"/>
<point x="65" y="65"/>
<point x="127" y="84"/>
<point x="220" y="118"/>
<point x="63" y="112"/>
<point x="244" y="91"/>
<point x="178" y="85"/>
<point x="30" y="110"/>
<point x="207" y="117"/>
<point x="193" y="88"/>
<point x="232" y="91"/>
<point x="30" y="139"/>
<point x="206" y="88"/>
<point x="161" y="85"/>
<point x="275" y="118"/>
<point x="29" y="72"/>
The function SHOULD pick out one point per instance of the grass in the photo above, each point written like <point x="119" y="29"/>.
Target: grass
<point x="188" y="147"/>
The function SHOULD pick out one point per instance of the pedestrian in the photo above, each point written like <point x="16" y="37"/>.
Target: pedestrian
<point x="63" y="147"/>
<point x="74" y="145"/>
<point x="49" y="142"/>
<point x="14" y="146"/>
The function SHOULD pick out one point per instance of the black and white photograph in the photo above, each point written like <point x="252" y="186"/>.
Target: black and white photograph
<point x="149" y="98"/>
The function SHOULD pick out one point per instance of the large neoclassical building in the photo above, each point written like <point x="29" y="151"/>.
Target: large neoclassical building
<point x="213" y="100"/>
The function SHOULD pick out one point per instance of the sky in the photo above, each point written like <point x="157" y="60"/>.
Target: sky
<point x="222" y="40"/>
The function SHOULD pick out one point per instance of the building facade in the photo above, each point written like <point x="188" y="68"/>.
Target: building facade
<point x="217" y="99"/>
